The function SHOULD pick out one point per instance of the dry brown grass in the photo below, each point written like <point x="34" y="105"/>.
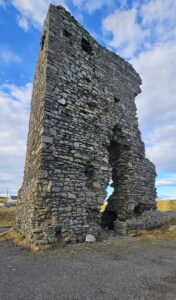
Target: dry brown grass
<point x="163" y="233"/>
<point x="12" y="236"/>
<point x="166" y="205"/>
<point x="18" y="239"/>
<point x="7" y="219"/>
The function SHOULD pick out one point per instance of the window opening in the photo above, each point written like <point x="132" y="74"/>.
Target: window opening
<point x="67" y="33"/>
<point x="86" y="46"/>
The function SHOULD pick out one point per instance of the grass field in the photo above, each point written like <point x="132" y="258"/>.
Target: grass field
<point x="3" y="199"/>
<point x="166" y="205"/>
<point x="7" y="216"/>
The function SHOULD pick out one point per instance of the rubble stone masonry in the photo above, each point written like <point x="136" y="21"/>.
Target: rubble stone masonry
<point x="83" y="131"/>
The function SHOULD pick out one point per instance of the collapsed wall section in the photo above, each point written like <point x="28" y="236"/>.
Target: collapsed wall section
<point x="83" y="131"/>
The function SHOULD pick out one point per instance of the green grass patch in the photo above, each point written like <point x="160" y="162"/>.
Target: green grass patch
<point x="12" y="236"/>
<point x="172" y="221"/>
<point x="7" y="216"/>
<point x="3" y="199"/>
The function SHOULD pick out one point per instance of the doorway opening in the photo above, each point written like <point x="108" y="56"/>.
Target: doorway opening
<point x="120" y="160"/>
<point x="110" y="214"/>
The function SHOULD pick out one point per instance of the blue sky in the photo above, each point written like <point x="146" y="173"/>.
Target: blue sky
<point x="143" y="32"/>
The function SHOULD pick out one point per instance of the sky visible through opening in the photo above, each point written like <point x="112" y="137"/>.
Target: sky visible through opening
<point x="109" y="191"/>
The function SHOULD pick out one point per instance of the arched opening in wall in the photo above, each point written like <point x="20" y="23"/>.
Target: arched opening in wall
<point x="120" y="160"/>
<point x="109" y="215"/>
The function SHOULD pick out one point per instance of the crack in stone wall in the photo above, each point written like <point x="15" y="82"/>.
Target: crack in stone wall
<point x="83" y="129"/>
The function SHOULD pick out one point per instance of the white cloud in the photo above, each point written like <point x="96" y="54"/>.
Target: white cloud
<point x="162" y="152"/>
<point x="7" y="56"/>
<point x="14" y="103"/>
<point x="157" y="66"/>
<point x="2" y="2"/>
<point x="23" y="23"/>
<point x="157" y="104"/>
<point x="92" y="5"/>
<point x="160" y="17"/>
<point x="141" y="26"/>
<point x="78" y="3"/>
<point x="21" y="94"/>
<point x="123" y="3"/>
<point x="162" y="132"/>
<point x="127" y="34"/>
<point x="166" y="197"/>
<point x="33" y="12"/>
<point x="171" y="181"/>
<point x="158" y="10"/>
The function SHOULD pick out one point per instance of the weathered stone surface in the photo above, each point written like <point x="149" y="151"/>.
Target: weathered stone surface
<point x="148" y="220"/>
<point x="90" y="238"/>
<point x="172" y="227"/>
<point x="83" y="131"/>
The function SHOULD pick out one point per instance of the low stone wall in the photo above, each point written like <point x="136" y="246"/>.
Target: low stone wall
<point x="149" y="220"/>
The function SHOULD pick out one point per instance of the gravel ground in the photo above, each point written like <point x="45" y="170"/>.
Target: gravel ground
<point x="128" y="268"/>
<point x="4" y="229"/>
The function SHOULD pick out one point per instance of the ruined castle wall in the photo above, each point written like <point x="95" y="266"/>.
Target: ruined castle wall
<point x="89" y="133"/>
<point x="27" y="208"/>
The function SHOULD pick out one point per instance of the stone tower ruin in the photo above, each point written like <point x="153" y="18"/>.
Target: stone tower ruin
<point x="83" y="131"/>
